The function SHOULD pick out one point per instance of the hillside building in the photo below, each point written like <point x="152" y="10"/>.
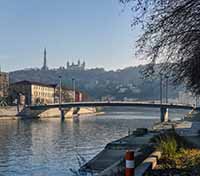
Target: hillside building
<point x="68" y="95"/>
<point x="186" y="98"/>
<point x="4" y="84"/>
<point x="34" y="92"/>
<point x="76" y="67"/>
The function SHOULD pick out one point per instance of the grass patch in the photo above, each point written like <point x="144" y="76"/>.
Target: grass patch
<point x="178" y="156"/>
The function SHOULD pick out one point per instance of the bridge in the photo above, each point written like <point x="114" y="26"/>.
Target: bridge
<point x="111" y="104"/>
<point x="64" y="106"/>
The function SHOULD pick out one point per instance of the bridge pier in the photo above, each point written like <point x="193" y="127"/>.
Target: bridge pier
<point x="62" y="114"/>
<point x="164" y="115"/>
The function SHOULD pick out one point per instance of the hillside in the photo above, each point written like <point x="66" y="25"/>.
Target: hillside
<point x="98" y="83"/>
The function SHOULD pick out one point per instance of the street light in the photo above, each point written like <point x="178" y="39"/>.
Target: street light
<point x="74" y="89"/>
<point x="196" y="100"/>
<point x="166" y="77"/>
<point x="160" y="88"/>
<point x="60" y="90"/>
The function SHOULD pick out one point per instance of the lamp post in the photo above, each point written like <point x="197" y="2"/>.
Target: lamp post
<point x="166" y="77"/>
<point x="196" y="100"/>
<point x="74" y="89"/>
<point x="161" y="88"/>
<point x="60" y="90"/>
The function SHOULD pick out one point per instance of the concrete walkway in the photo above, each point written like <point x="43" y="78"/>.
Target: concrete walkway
<point x="115" y="151"/>
<point x="189" y="129"/>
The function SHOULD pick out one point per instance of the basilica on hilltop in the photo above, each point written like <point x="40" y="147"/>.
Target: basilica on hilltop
<point x="72" y="67"/>
<point x="79" y="66"/>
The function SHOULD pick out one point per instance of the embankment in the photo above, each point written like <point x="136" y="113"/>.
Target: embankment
<point x="69" y="113"/>
<point x="9" y="112"/>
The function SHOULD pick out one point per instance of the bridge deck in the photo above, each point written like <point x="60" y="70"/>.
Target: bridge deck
<point x="111" y="104"/>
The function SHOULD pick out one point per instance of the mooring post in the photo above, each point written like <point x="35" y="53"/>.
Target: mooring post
<point x="164" y="115"/>
<point x="130" y="164"/>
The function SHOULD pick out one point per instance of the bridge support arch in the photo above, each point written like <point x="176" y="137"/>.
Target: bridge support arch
<point x="164" y="114"/>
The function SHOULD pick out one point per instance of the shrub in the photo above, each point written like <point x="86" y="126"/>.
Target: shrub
<point x="168" y="146"/>
<point x="3" y="102"/>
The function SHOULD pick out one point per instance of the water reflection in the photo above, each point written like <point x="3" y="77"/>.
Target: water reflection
<point x="50" y="146"/>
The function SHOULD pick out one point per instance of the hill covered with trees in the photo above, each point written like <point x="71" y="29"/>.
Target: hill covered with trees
<point x="98" y="83"/>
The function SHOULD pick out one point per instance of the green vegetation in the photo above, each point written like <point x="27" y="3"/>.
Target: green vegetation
<point x="168" y="147"/>
<point x="169" y="143"/>
<point x="3" y="102"/>
<point x="99" y="83"/>
<point x="186" y="159"/>
<point x="178" y="156"/>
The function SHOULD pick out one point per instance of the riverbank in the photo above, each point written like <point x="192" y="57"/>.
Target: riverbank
<point x="10" y="113"/>
<point x="111" y="160"/>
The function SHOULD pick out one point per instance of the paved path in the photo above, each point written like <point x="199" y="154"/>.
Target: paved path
<point x="115" y="151"/>
<point x="188" y="129"/>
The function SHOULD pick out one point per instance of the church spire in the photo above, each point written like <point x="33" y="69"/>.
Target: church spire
<point x="45" y="60"/>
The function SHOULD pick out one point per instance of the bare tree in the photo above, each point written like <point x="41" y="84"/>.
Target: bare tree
<point x="171" y="37"/>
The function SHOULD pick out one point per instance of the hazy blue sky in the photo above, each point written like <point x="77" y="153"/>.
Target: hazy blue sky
<point x="96" y="31"/>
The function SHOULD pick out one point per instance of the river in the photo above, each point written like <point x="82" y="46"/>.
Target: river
<point x="49" y="147"/>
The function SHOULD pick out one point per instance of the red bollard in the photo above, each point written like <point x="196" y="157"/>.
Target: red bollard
<point x="130" y="164"/>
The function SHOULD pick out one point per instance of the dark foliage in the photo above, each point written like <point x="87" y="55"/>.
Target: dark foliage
<point x="171" y="36"/>
<point x="3" y="101"/>
<point x="97" y="83"/>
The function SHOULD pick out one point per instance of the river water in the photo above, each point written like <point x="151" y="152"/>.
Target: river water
<point x="49" y="147"/>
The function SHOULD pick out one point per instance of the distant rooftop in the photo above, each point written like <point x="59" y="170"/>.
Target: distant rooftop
<point x="3" y="73"/>
<point x="35" y="83"/>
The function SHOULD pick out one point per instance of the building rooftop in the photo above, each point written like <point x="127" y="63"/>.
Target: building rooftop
<point x="3" y="73"/>
<point x="35" y="83"/>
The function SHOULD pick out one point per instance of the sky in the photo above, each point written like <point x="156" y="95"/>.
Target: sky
<point x="95" y="31"/>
